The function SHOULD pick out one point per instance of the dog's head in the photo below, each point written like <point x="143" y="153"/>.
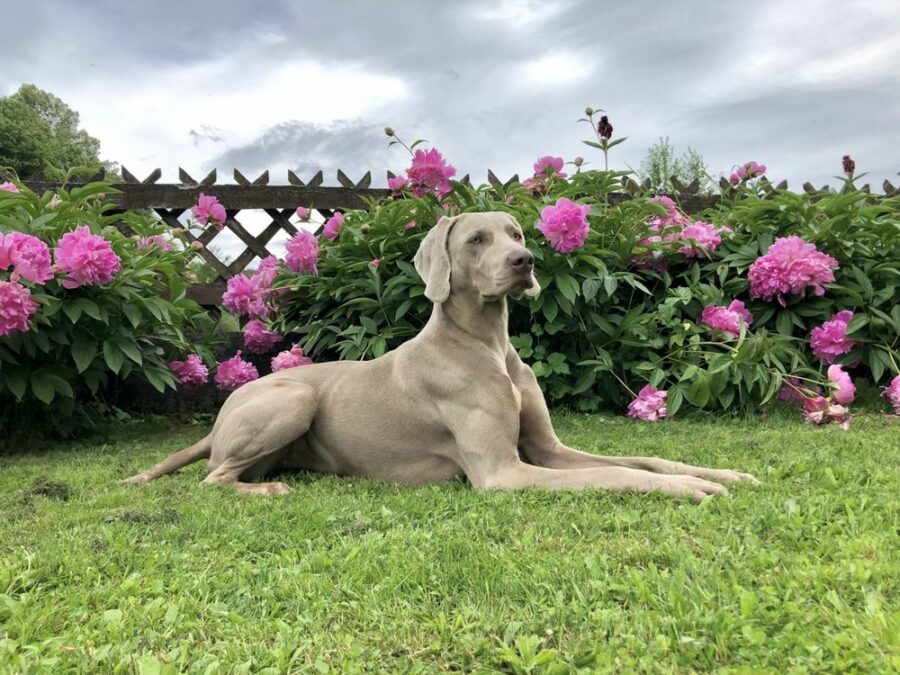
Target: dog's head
<point x="481" y="252"/>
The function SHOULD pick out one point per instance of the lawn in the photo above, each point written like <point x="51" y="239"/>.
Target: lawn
<point x="799" y="574"/>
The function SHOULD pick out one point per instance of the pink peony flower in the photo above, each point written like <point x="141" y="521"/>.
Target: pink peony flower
<point x="706" y="237"/>
<point x="548" y="166"/>
<point x="844" y="390"/>
<point x="754" y="169"/>
<point x="266" y="272"/>
<point x="302" y="213"/>
<point x="333" y="226"/>
<point x="821" y="410"/>
<point x="235" y="372"/>
<point x="9" y="187"/>
<point x="398" y="183"/>
<point x="246" y="297"/>
<point x="191" y="372"/>
<point x="830" y="340"/>
<point x="290" y="359"/>
<point x="29" y="257"/>
<point x="302" y="252"/>
<point x="154" y="240"/>
<point x="429" y="170"/>
<point x="673" y="217"/>
<point x="410" y="225"/>
<point x="734" y="179"/>
<point x="375" y="262"/>
<point x="565" y="224"/>
<point x="258" y="338"/>
<point x="209" y="211"/>
<point x="86" y="258"/>
<point x="650" y="404"/>
<point x="727" y="319"/>
<point x="16" y="308"/>
<point x="790" y="266"/>
<point x="892" y="394"/>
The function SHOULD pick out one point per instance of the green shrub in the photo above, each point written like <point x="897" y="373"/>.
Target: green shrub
<point x="82" y="340"/>
<point x="606" y="323"/>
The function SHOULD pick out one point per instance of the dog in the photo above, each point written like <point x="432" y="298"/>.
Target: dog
<point x="456" y="400"/>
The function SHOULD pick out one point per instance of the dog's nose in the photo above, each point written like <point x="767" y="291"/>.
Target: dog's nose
<point x="521" y="260"/>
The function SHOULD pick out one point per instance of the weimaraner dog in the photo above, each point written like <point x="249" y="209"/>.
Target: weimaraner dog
<point x="455" y="400"/>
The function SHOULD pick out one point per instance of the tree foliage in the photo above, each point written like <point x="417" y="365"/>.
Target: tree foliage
<point x="39" y="134"/>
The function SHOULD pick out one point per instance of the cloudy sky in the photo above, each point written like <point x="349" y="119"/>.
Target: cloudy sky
<point x="309" y="85"/>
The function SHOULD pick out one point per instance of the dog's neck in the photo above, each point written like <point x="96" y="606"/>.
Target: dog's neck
<point x="483" y="320"/>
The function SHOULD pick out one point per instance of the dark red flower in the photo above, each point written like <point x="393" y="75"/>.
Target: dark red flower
<point x="849" y="164"/>
<point x="604" y="128"/>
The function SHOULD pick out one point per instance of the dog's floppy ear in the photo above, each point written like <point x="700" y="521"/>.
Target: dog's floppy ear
<point x="432" y="261"/>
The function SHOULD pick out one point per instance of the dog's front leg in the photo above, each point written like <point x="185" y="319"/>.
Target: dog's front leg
<point x="541" y="446"/>
<point x="486" y="443"/>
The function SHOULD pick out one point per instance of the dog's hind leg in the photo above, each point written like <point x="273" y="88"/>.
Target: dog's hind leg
<point x="254" y="437"/>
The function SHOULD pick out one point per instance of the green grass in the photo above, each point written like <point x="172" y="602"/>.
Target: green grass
<point x="799" y="574"/>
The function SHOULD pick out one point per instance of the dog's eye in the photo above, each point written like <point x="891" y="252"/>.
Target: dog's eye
<point x="517" y="236"/>
<point x="475" y="240"/>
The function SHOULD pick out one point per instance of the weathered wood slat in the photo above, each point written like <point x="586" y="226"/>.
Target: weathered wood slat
<point x="128" y="177"/>
<point x="316" y="180"/>
<point x="185" y="177"/>
<point x="344" y="179"/>
<point x="263" y="178"/>
<point x="240" y="179"/>
<point x="154" y="176"/>
<point x="210" y="178"/>
<point x="294" y="180"/>
<point x="207" y="295"/>
<point x="170" y="196"/>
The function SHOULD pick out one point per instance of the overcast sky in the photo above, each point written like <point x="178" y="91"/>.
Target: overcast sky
<point x="309" y="85"/>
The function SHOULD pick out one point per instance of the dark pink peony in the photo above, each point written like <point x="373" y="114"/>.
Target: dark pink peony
<point x="727" y="319"/>
<point x="208" y="211"/>
<point x="154" y="240"/>
<point x="9" y="187"/>
<point x="650" y="404"/>
<point x="245" y="297"/>
<point x="28" y="256"/>
<point x="565" y="224"/>
<point x="235" y="372"/>
<point x="302" y="213"/>
<point x="549" y="167"/>
<point x="703" y="237"/>
<point x="791" y="265"/>
<point x="86" y="258"/>
<point x="398" y="184"/>
<point x="258" y="338"/>
<point x="16" y="308"/>
<point x="290" y="359"/>
<point x="430" y="171"/>
<point x="302" y="252"/>
<point x="892" y="394"/>
<point x="830" y="340"/>
<point x="333" y="226"/>
<point x="191" y="372"/>
<point x="840" y="382"/>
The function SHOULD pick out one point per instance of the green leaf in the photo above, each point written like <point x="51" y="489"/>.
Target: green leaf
<point x="589" y="288"/>
<point x="133" y="313"/>
<point x="129" y="347"/>
<point x="83" y="353"/>
<point x="857" y="322"/>
<point x="785" y="322"/>
<point x="113" y="357"/>
<point x="567" y="286"/>
<point x="72" y="310"/>
<point x="551" y="309"/>
<point x="698" y="394"/>
<point x="42" y="388"/>
<point x="16" y="382"/>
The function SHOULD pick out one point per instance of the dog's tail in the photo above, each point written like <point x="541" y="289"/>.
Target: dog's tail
<point x="199" y="450"/>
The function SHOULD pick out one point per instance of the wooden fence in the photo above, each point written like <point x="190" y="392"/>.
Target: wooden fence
<point x="171" y="200"/>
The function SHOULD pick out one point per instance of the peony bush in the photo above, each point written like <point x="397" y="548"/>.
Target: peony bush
<point x="84" y="306"/>
<point x="644" y="309"/>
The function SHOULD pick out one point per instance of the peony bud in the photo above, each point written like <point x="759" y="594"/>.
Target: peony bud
<point x="849" y="164"/>
<point x="388" y="131"/>
<point x="604" y="128"/>
<point x="197" y="246"/>
<point x="578" y="161"/>
<point x="589" y="111"/>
